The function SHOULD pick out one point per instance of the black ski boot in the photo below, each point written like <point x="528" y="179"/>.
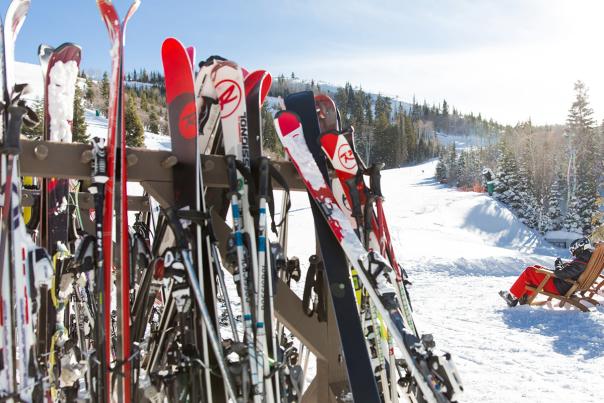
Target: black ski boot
<point x="509" y="298"/>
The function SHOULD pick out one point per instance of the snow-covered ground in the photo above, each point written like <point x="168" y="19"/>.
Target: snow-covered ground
<point x="465" y="142"/>
<point x="459" y="249"/>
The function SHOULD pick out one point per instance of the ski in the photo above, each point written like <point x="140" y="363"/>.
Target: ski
<point x="60" y="68"/>
<point x="228" y="85"/>
<point x="424" y="378"/>
<point x="182" y="119"/>
<point x="257" y="85"/>
<point x="360" y="374"/>
<point x="352" y="196"/>
<point x="116" y="201"/>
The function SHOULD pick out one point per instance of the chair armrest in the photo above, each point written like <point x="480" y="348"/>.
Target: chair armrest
<point x="547" y="272"/>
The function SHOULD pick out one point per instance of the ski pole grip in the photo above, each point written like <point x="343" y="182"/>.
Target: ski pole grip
<point x="263" y="175"/>
<point x="231" y="165"/>
<point x="375" y="179"/>
<point x="13" y="131"/>
<point x="355" y="202"/>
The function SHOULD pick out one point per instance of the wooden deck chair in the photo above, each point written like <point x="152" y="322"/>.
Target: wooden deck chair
<point x="596" y="287"/>
<point x="583" y="285"/>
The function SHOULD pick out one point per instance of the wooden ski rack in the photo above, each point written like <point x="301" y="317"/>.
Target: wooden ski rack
<point x="152" y="169"/>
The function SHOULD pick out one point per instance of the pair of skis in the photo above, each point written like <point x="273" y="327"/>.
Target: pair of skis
<point x="228" y="95"/>
<point x="115" y="211"/>
<point x="427" y="376"/>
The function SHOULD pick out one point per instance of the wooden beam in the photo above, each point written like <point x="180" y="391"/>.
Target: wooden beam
<point x="72" y="160"/>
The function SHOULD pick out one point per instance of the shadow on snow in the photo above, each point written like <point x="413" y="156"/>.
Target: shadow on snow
<point x="573" y="332"/>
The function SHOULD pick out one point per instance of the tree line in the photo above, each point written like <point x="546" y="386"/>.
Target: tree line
<point x="388" y="130"/>
<point x="548" y="175"/>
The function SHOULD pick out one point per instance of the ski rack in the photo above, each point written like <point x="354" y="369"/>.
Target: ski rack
<point x="153" y="170"/>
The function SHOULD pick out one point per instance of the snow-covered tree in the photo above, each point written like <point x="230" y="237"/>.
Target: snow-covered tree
<point x="553" y="211"/>
<point x="526" y="205"/>
<point x="441" y="170"/>
<point x="506" y="185"/>
<point x="581" y="127"/>
<point x="572" y="219"/>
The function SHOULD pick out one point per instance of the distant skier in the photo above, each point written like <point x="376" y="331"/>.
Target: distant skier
<point x="581" y="250"/>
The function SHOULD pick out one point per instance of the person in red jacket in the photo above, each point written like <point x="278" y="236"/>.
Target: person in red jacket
<point x="581" y="250"/>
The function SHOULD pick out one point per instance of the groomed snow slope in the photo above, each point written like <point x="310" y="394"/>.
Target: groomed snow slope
<point x="459" y="250"/>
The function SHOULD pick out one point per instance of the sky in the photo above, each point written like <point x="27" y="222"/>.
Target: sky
<point x="507" y="59"/>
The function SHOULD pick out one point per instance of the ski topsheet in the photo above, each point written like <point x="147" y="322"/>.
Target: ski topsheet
<point x="365" y="263"/>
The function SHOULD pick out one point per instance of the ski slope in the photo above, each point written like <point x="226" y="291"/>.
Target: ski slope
<point x="459" y="249"/>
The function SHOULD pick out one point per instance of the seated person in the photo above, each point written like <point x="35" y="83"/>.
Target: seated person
<point x="581" y="250"/>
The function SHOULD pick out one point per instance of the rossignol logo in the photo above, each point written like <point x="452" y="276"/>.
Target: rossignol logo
<point x="187" y="124"/>
<point x="346" y="157"/>
<point x="244" y="138"/>
<point x="229" y="98"/>
<point x="182" y="116"/>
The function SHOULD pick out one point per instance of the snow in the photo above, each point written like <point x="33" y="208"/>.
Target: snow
<point x="61" y="92"/>
<point x="464" y="142"/>
<point x="562" y="235"/>
<point x="31" y="74"/>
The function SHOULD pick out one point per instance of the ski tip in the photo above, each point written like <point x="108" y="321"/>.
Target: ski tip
<point x="170" y="45"/>
<point x="192" y="54"/>
<point x="255" y="78"/>
<point x="287" y="122"/>
<point x="321" y="97"/>
<point x="266" y="86"/>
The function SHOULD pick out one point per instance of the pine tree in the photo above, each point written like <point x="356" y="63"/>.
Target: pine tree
<point x="581" y="127"/>
<point x="572" y="219"/>
<point x="526" y="205"/>
<point x="135" y="133"/>
<point x="553" y="213"/>
<point x="506" y="185"/>
<point x="270" y="140"/>
<point x="144" y="102"/>
<point x="78" y="124"/>
<point x="36" y="132"/>
<point x="451" y="164"/>
<point x="441" y="170"/>
<point x="89" y="90"/>
<point x="153" y="123"/>
<point x="105" y="92"/>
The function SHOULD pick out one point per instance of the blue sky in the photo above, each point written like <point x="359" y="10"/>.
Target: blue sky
<point x="509" y="59"/>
